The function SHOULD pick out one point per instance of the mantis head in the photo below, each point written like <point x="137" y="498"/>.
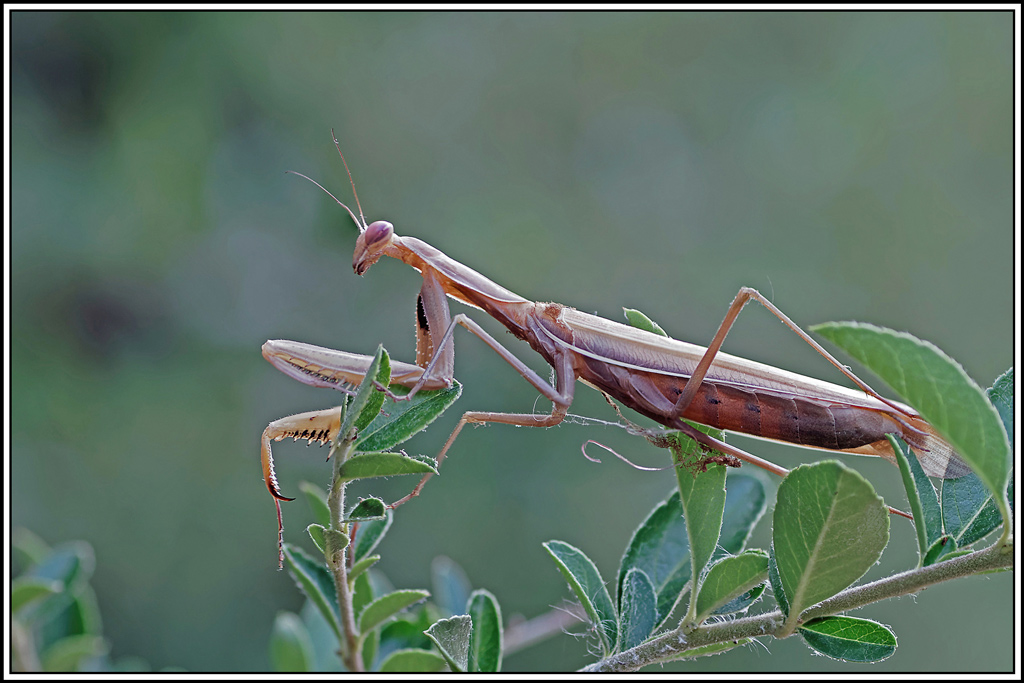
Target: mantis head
<point x="375" y="238"/>
<point x="372" y="243"/>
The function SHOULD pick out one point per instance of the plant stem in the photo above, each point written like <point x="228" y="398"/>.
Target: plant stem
<point x="674" y="644"/>
<point x="338" y="565"/>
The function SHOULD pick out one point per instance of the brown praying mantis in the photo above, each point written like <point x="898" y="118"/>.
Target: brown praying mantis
<point x="665" y="379"/>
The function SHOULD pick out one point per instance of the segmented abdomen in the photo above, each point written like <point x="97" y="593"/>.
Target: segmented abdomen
<point x="759" y="412"/>
<point x="796" y="420"/>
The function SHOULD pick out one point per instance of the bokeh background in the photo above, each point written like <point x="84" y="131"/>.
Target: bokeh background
<point x="848" y="165"/>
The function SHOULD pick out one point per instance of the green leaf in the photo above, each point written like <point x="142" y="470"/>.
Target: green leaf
<point x="367" y="509"/>
<point x="849" y="639"/>
<point x="587" y="584"/>
<point x="316" y="532"/>
<point x="1001" y="396"/>
<point x="380" y="367"/>
<point x="362" y="592"/>
<point x="406" y="632"/>
<point x="730" y="578"/>
<point x="775" y="581"/>
<point x="968" y="510"/>
<point x="452" y="636"/>
<point x="369" y="535"/>
<point x="367" y="465"/>
<point x="70" y="563"/>
<point x="743" y="602"/>
<point x="317" y="500"/>
<point x="703" y="499"/>
<point x="387" y="606"/>
<point x="641" y="321"/>
<point x="361" y="566"/>
<point x="291" y="649"/>
<point x="27" y="548"/>
<point x="405" y="418"/>
<point x="938" y="388"/>
<point x="451" y="585"/>
<point x="26" y="590"/>
<point x="413" y="660"/>
<point x="638" y="609"/>
<point x="376" y="400"/>
<point x="324" y="640"/>
<point x="316" y="582"/>
<point x="371" y="644"/>
<point x="69" y="654"/>
<point x="745" y="502"/>
<point x="829" y="528"/>
<point x="485" y="642"/>
<point x="944" y="545"/>
<point x="924" y="502"/>
<point x="660" y="548"/>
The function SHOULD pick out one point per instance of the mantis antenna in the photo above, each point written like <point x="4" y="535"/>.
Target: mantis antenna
<point x="361" y="224"/>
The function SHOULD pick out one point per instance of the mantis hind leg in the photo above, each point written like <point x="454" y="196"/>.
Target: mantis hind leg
<point x="520" y="419"/>
<point x="744" y="296"/>
<point x="560" y="395"/>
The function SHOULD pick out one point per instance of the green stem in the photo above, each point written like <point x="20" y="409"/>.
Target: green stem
<point x="674" y="644"/>
<point x="337" y="562"/>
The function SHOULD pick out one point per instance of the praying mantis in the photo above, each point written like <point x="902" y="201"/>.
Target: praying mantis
<point x="665" y="379"/>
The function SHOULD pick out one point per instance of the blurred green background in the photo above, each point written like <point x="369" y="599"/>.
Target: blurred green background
<point x="849" y="166"/>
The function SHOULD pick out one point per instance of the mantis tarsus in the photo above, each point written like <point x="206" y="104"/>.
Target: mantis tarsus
<point x="662" y="378"/>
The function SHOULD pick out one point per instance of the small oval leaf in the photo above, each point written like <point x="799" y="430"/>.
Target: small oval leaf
<point x="316" y="582"/>
<point x="849" y="639"/>
<point x="367" y="465"/>
<point x="924" y="501"/>
<point x="367" y="509"/>
<point x="642" y="322"/>
<point x="413" y="660"/>
<point x="829" y="528"/>
<point x="405" y="418"/>
<point x="376" y="399"/>
<point x="589" y="587"/>
<point x="486" y="640"/>
<point x="745" y="502"/>
<point x="291" y="648"/>
<point x="452" y="636"/>
<point x="730" y="578"/>
<point x="638" y="609"/>
<point x="969" y="512"/>
<point x="317" y="500"/>
<point x="937" y="386"/>
<point x="775" y="581"/>
<point x="387" y="606"/>
<point x="361" y="566"/>
<point x="365" y="396"/>
<point x="943" y="546"/>
<point x="660" y="548"/>
<point x="703" y="498"/>
<point x="26" y="590"/>
<point x="316" y="532"/>
<point x="743" y="602"/>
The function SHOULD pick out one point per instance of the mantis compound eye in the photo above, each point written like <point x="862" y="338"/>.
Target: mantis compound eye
<point x="378" y="232"/>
